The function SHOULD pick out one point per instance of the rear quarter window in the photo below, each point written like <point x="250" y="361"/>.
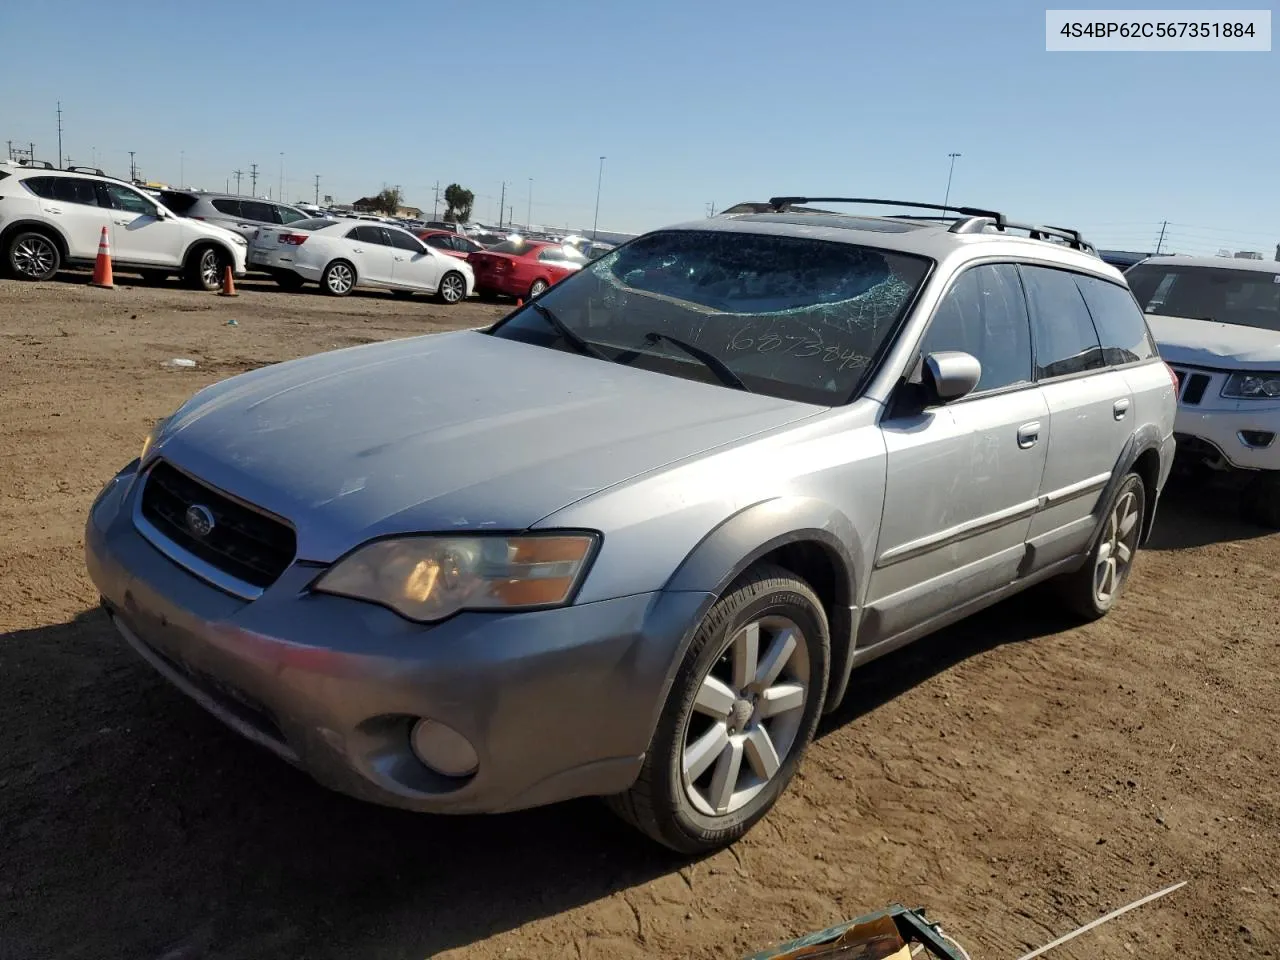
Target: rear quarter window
<point x="225" y="205"/>
<point x="1122" y="330"/>
<point x="1066" y="342"/>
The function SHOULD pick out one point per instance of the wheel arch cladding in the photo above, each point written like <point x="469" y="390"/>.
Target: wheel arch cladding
<point x="1141" y="455"/>
<point x="811" y="539"/>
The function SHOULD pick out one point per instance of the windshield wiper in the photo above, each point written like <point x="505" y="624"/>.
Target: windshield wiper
<point x="582" y="346"/>
<point x="709" y="360"/>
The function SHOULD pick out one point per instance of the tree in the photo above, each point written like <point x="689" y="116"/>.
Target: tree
<point x="390" y="200"/>
<point x="458" y="203"/>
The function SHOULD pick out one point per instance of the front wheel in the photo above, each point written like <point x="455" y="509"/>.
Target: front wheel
<point x="1092" y="590"/>
<point x="453" y="288"/>
<point x="33" y="256"/>
<point x="206" y="268"/>
<point x="743" y="707"/>
<point x="338" y="278"/>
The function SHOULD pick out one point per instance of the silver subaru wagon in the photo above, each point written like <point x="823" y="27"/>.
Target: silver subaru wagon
<point x="631" y="540"/>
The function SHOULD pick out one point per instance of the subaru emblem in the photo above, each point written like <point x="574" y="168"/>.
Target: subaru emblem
<point x="199" y="520"/>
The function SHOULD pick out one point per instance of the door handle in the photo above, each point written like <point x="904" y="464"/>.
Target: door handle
<point x="1028" y="434"/>
<point x="357" y="249"/>
<point x="121" y="223"/>
<point x="400" y="259"/>
<point x="1120" y="408"/>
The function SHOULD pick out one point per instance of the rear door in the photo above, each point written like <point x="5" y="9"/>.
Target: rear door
<point x="1091" y="413"/>
<point x="73" y="204"/>
<point x="372" y="254"/>
<point x="413" y="265"/>
<point x="138" y="234"/>
<point x="963" y="479"/>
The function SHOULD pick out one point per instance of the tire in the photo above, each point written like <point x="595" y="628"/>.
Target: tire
<point x="452" y="288"/>
<point x="154" y="277"/>
<point x="539" y="287"/>
<point x="33" y="255"/>
<point x="708" y="725"/>
<point x="338" y="279"/>
<point x="287" y="279"/>
<point x="1084" y="591"/>
<point x="1260" y="500"/>
<point x="206" y="267"/>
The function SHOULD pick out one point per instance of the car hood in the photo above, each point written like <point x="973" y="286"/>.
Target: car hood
<point x="1206" y="343"/>
<point x="456" y="431"/>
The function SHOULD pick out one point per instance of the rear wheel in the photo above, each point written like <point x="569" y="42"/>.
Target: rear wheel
<point x="33" y="256"/>
<point x="539" y="287"/>
<point x="338" y="278"/>
<point x="1093" y="590"/>
<point x="453" y="288"/>
<point x="1260" y="500"/>
<point x="743" y="707"/>
<point x="205" y="268"/>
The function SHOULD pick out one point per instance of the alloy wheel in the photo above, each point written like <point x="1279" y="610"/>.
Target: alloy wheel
<point x="452" y="288"/>
<point x="1119" y="542"/>
<point x="746" y="716"/>
<point x="209" y="269"/>
<point x="340" y="278"/>
<point x="34" y="257"/>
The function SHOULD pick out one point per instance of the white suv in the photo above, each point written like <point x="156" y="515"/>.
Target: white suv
<point x="1217" y="323"/>
<point x="53" y="218"/>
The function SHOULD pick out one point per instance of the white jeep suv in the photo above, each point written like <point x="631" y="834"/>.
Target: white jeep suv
<point x="1217" y="322"/>
<point x="53" y="218"/>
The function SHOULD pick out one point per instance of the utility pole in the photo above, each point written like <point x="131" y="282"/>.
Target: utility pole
<point x="511" y="214"/>
<point x="237" y="174"/>
<point x="435" y="206"/>
<point x="599" y="179"/>
<point x="711" y="209"/>
<point x="317" y="189"/>
<point x="133" y="168"/>
<point x="1159" y="243"/>
<point x="253" y="179"/>
<point x="502" y="203"/>
<point x="59" y="133"/>
<point x="950" y="171"/>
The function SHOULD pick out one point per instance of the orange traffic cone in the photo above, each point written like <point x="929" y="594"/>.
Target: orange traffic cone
<point x="228" y="285"/>
<point x="519" y="301"/>
<point x="102" y="266"/>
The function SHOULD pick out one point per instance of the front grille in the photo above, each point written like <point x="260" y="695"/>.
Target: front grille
<point x="243" y="543"/>
<point x="1195" y="388"/>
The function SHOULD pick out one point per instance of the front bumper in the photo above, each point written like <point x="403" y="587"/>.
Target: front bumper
<point x="1226" y="431"/>
<point x="557" y="703"/>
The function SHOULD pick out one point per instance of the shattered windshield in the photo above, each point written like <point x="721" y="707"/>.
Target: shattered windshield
<point x="789" y="316"/>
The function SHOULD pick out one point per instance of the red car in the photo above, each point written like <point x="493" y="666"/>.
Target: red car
<point x="524" y="268"/>
<point x="455" y="245"/>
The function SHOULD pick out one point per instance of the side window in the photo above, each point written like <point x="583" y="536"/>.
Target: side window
<point x="122" y="198"/>
<point x="439" y="241"/>
<point x="72" y="190"/>
<point x="226" y="205"/>
<point x="40" y="186"/>
<point x="402" y="241"/>
<point x="1065" y="338"/>
<point x="290" y="215"/>
<point x="551" y="254"/>
<point x="985" y="314"/>
<point x="1121" y="327"/>
<point x="258" y="211"/>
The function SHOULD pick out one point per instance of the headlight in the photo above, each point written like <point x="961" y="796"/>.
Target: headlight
<point x="429" y="578"/>
<point x="1252" y="386"/>
<point x="149" y="443"/>
<point x="240" y="240"/>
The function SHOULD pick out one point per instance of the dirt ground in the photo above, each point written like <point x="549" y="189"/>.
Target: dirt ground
<point x="1015" y="774"/>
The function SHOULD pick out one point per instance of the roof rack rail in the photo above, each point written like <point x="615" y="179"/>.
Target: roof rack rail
<point x="79" y="169"/>
<point x="779" y="204"/>
<point x="978" y="224"/>
<point x="41" y="164"/>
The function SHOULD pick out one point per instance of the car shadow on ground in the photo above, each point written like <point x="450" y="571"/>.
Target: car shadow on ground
<point x="1196" y="511"/>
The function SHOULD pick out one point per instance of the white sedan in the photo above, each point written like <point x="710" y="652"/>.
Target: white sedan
<point x="345" y="254"/>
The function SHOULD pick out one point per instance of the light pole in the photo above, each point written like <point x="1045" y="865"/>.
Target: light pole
<point x="950" y="171"/>
<point x="596" y="222"/>
<point x="528" y="217"/>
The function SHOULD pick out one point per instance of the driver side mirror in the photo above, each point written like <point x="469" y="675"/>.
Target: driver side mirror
<point x="951" y="374"/>
<point x="161" y="213"/>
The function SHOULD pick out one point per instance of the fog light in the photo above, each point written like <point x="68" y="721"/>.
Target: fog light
<point x="1257" y="439"/>
<point x="444" y="749"/>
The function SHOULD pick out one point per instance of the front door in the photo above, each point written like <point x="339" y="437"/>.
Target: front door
<point x="138" y="234"/>
<point x="963" y="479"/>
<point x="1090" y="419"/>
<point x="414" y="265"/>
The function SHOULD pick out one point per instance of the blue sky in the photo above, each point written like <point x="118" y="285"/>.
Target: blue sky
<point x="692" y="102"/>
